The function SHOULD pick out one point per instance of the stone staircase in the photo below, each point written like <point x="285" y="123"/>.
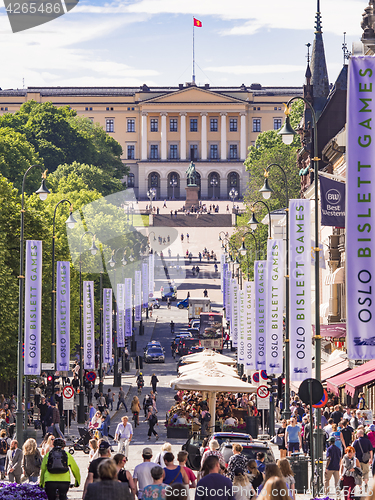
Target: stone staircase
<point x="203" y="220"/>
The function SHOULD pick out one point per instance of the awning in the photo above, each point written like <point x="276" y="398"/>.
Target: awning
<point x="361" y="375"/>
<point x="336" y="277"/>
<point x="335" y="330"/>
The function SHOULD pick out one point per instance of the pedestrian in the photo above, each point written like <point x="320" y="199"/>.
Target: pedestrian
<point x="121" y="400"/>
<point x="364" y="453"/>
<point x="55" y="473"/>
<point x="237" y="460"/>
<point x="182" y="237"/>
<point x="110" y="399"/>
<point x="156" y="490"/>
<point x="256" y="477"/>
<point x="152" y="421"/>
<point x="165" y="204"/>
<point x="346" y="433"/>
<point x="173" y="348"/>
<point x="173" y="473"/>
<point x="172" y="326"/>
<point x="93" y="473"/>
<point x="336" y="433"/>
<point x="123" y="475"/>
<point x="332" y="465"/>
<point x="347" y="472"/>
<point x="101" y="402"/>
<point x="288" y="475"/>
<point x="4" y="447"/>
<point x="103" y="428"/>
<point x="213" y="450"/>
<point x="205" y="293"/>
<point x="213" y="485"/>
<point x="167" y="447"/>
<point x="242" y="487"/>
<point x="142" y="472"/>
<point x="135" y="408"/>
<point x="43" y="409"/>
<point x="336" y="415"/>
<point x="154" y="381"/>
<point x="13" y="463"/>
<point x="182" y="459"/>
<point x="47" y="443"/>
<point x="94" y="446"/>
<point x="124" y="435"/>
<point x="108" y="486"/>
<point x="275" y="488"/>
<point x="361" y="402"/>
<point x="32" y="461"/>
<point x="354" y="422"/>
<point x="293" y="437"/>
<point x="187" y="239"/>
<point x="168" y="303"/>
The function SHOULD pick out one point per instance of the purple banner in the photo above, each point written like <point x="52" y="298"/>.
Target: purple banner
<point x="332" y="202"/>
<point x="33" y="307"/>
<point x="137" y="296"/>
<point x="120" y="299"/>
<point x="249" y="318"/>
<point x="360" y="209"/>
<point x="88" y="326"/>
<point x="107" y="325"/>
<point x="128" y="306"/>
<point x="224" y="274"/>
<point x="62" y="316"/>
<point x="145" y="285"/>
<point x="260" y="268"/>
<point x="151" y="274"/>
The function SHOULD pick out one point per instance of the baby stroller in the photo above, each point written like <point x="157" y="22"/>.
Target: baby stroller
<point x="82" y="444"/>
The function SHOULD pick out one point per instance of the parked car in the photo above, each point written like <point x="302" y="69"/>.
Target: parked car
<point x="195" y="323"/>
<point x="193" y="444"/>
<point x="250" y="451"/>
<point x="154" y="303"/>
<point x="185" y="344"/>
<point x="154" y="354"/>
<point x="183" y="304"/>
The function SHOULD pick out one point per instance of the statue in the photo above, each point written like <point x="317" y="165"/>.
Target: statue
<point x="191" y="175"/>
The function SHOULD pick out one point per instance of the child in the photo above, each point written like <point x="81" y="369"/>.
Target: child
<point x="93" y="445"/>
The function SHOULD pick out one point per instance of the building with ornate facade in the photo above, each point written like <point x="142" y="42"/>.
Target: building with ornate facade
<point x="162" y="129"/>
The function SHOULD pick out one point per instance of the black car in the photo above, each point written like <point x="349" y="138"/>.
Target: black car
<point x="154" y="354"/>
<point x="184" y="345"/>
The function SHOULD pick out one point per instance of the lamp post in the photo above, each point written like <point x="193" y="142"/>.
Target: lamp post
<point x="214" y="182"/>
<point x="287" y="133"/>
<point x="151" y="194"/>
<point x="243" y="250"/>
<point x="253" y="222"/>
<point x="81" y="407"/>
<point x="267" y="191"/>
<point x="173" y="182"/>
<point x="43" y="193"/>
<point x="233" y="195"/>
<point x="70" y="222"/>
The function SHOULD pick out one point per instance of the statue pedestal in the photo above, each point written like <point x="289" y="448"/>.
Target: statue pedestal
<point x="191" y="197"/>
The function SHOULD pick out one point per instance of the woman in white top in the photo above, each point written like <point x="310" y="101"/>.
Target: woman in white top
<point x="213" y="450"/>
<point x="159" y="459"/>
<point x="47" y="445"/>
<point x="96" y="420"/>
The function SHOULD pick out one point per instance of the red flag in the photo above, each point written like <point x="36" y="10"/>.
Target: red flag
<point x="197" y="23"/>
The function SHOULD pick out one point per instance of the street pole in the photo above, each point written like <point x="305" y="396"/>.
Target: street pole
<point x="100" y="388"/>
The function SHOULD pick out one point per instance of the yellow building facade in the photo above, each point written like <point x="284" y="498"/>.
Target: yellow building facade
<point x="162" y="129"/>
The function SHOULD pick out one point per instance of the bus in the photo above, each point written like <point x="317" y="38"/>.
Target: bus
<point x="211" y="330"/>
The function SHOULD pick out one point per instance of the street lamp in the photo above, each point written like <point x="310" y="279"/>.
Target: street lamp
<point x="70" y="222"/>
<point x="253" y="222"/>
<point x="43" y="193"/>
<point x="233" y="195"/>
<point x="287" y="134"/>
<point x="214" y="182"/>
<point x="243" y="250"/>
<point x="151" y="194"/>
<point x="81" y="407"/>
<point x="173" y="182"/>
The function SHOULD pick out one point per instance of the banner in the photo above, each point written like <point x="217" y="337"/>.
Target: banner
<point x="234" y="324"/>
<point x="145" y="285"/>
<point x="128" y="307"/>
<point x="88" y="326"/>
<point x="62" y="316"/>
<point x="107" y="325"/>
<point x="360" y="209"/>
<point x="222" y="262"/>
<point x="249" y="326"/>
<point x="241" y="335"/>
<point x="224" y="277"/>
<point x="260" y="269"/>
<point x="151" y="274"/>
<point x="138" y="295"/>
<point x="120" y="300"/>
<point x="228" y="278"/>
<point x="300" y="340"/>
<point x="275" y="307"/>
<point x="332" y="202"/>
<point x="33" y="307"/>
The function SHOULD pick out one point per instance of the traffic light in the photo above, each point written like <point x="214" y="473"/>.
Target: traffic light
<point x="56" y="383"/>
<point x="272" y="384"/>
<point x="280" y="386"/>
<point x="49" y="389"/>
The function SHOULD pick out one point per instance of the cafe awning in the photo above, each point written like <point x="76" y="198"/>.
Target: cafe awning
<point x="359" y="376"/>
<point x="333" y="330"/>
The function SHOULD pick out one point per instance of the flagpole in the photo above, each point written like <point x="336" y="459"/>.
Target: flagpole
<point x="193" y="56"/>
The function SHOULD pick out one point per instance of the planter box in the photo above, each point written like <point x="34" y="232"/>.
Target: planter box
<point x="178" y="432"/>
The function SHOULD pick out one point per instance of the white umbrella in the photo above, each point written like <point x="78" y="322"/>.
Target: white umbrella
<point x="208" y="365"/>
<point x="208" y="354"/>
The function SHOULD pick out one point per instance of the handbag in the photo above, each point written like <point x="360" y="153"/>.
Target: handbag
<point x="278" y="440"/>
<point x="358" y="472"/>
<point x="365" y="456"/>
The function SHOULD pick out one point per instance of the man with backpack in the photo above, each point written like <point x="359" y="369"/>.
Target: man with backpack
<point x="4" y="447"/>
<point x="55" y="473"/>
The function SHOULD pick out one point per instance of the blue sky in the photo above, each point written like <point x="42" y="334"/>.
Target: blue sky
<point x="131" y="42"/>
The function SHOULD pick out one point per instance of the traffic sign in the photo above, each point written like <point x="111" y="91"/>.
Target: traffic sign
<point x="68" y="392"/>
<point x="48" y="366"/>
<point x="323" y="401"/>
<point x="263" y="391"/>
<point x="263" y="403"/>
<point x="91" y="376"/>
<point x="311" y="391"/>
<point x="263" y="374"/>
<point x="255" y="378"/>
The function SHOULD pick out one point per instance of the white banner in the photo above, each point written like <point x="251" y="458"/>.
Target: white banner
<point x="33" y="307"/>
<point x="300" y="290"/>
<point x="138" y="295"/>
<point x="120" y="302"/>
<point x="222" y="262"/>
<point x="128" y="306"/>
<point x="62" y="316"/>
<point x="145" y="284"/>
<point x="241" y="336"/>
<point x="88" y="326"/>
<point x="234" y="325"/>
<point x="228" y="276"/>
<point x="260" y="268"/>
<point x="151" y="274"/>
<point x="107" y="325"/>
<point x="275" y="307"/>
<point x="250" y="326"/>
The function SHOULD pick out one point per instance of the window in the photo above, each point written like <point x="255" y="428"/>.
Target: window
<point x="173" y="125"/>
<point x="233" y="125"/>
<point x="233" y="151"/>
<point x="131" y="179"/>
<point x="256" y="124"/>
<point x="193" y="152"/>
<point x="154" y="180"/>
<point x="233" y="179"/>
<point x="131" y="125"/>
<point x="213" y="152"/>
<point x="193" y="125"/>
<point x="109" y="125"/>
<point x="109" y="109"/>
<point x="131" y="152"/>
<point x="173" y="155"/>
<point x="213" y="125"/>
<point x="154" y="152"/>
<point x="154" y="124"/>
<point x="277" y="123"/>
